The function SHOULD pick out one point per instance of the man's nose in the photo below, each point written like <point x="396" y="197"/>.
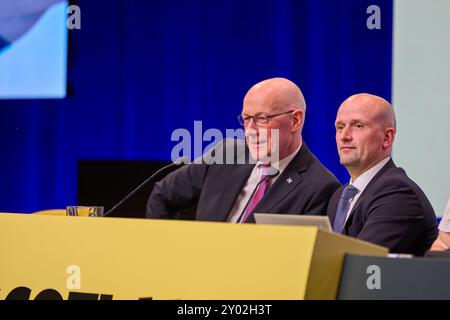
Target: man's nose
<point x="345" y="134"/>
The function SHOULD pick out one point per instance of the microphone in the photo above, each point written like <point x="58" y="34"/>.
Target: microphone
<point x="269" y="176"/>
<point x="177" y="163"/>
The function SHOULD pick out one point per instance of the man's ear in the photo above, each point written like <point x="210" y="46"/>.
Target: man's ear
<point x="298" y="120"/>
<point x="389" y="136"/>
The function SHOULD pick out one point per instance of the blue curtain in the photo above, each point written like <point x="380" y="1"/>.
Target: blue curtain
<point x="138" y="70"/>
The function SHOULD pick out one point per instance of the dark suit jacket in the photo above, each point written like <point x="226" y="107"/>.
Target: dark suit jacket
<point x="214" y="189"/>
<point x="392" y="211"/>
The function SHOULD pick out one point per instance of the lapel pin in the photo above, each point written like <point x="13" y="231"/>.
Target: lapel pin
<point x="289" y="181"/>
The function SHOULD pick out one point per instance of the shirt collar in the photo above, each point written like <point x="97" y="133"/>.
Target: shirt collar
<point x="363" y="180"/>
<point x="283" y="163"/>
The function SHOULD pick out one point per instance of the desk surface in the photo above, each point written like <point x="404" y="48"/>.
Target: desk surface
<point x="394" y="278"/>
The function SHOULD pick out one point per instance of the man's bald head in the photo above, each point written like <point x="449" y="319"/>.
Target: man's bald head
<point x="382" y="110"/>
<point x="274" y="106"/>
<point x="365" y="132"/>
<point x="279" y="93"/>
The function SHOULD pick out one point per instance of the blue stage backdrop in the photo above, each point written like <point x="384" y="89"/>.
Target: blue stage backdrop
<point x="138" y="70"/>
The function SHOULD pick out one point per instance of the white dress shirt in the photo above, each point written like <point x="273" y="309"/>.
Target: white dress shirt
<point x="252" y="183"/>
<point x="363" y="180"/>
<point x="445" y="221"/>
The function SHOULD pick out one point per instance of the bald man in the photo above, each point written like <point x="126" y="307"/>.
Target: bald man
<point x="380" y="204"/>
<point x="276" y="173"/>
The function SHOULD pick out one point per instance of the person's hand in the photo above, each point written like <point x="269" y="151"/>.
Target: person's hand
<point x="442" y="243"/>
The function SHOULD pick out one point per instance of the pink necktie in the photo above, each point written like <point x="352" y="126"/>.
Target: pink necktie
<point x="259" y="194"/>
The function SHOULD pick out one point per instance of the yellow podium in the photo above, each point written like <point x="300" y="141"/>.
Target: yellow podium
<point x="111" y="258"/>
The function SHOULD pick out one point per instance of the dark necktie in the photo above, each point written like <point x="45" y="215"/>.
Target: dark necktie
<point x="343" y="206"/>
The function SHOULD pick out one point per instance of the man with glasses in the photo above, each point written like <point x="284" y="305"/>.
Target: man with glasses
<point x="284" y="176"/>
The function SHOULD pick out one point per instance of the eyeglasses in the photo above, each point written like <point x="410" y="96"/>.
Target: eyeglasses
<point x="259" y="119"/>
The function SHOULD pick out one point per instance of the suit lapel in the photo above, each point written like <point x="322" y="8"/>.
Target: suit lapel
<point x="287" y="181"/>
<point x="383" y="170"/>
<point x="334" y="203"/>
